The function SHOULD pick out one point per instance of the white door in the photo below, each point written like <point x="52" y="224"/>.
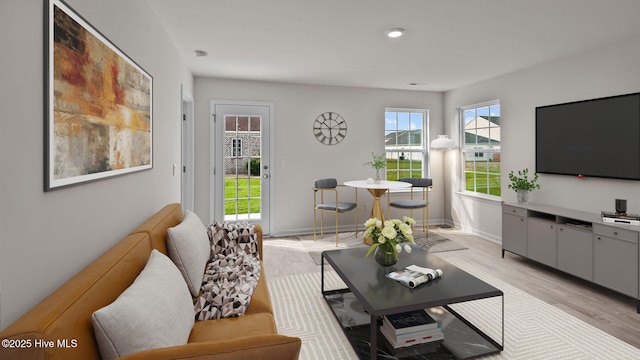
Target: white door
<point x="241" y="162"/>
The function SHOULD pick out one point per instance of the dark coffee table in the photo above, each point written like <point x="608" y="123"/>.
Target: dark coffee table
<point x="370" y="295"/>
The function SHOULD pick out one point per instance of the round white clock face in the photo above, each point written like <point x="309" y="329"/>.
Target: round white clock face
<point x="330" y="128"/>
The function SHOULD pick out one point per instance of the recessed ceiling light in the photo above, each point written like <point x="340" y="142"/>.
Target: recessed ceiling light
<point x="395" y="32"/>
<point x="201" y="53"/>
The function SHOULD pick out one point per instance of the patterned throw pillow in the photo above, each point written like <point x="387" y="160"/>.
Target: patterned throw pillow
<point x="227" y="238"/>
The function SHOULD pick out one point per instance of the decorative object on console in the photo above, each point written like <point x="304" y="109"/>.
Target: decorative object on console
<point x="620" y="218"/>
<point x="523" y="185"/>
<point x="378" y="163"/>
<point x="387" y="237"/>
<point x="621" y="206"/>
<point x="98" y="104"/>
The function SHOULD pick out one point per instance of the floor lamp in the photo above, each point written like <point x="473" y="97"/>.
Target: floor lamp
<point x="443" y="143"/>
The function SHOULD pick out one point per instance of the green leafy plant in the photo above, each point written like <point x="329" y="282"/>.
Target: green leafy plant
<point x="378" y="162"/>
<point x="253" y="166"/>
<point x="522" y="182"/>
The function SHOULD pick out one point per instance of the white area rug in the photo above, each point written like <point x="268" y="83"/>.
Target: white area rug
<point x="533" y="329"/>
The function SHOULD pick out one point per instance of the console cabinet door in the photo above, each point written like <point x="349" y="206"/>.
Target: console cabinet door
<point x="575" y="251"/>
<point x="541" y="241"/>
<point x="615" y="261"/>
<point x="514" y="233"/>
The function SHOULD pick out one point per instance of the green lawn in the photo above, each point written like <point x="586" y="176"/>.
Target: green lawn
<point x="485" y="180"/>
<point x="247" y="193"/>
<point x="397" y="169"/>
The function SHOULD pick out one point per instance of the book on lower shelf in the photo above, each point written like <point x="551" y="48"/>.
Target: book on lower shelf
<point x="410" y="328"/>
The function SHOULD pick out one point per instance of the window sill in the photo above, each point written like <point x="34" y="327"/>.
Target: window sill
<point x="481" y="197"/>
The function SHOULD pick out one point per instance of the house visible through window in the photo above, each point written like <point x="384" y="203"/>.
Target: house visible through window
<point x="236" y="147"/>
<point x="481" y="148"/>
<point x="405" y="143"/>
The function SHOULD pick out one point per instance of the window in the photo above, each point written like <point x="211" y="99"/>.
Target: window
<point x="405" y="143"/>
<point x="236" y="147"/>
<point x="481" y="148"/>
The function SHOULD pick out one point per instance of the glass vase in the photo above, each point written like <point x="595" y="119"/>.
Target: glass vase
<point x="523" y="196"/>
<point x="378" y="176"/>
<point x="384" y="256"/>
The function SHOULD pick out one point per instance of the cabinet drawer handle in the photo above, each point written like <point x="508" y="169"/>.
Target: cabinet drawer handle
<point x="599" y="238"/>
<point x="615" y="233"/>
<point x="521" y="219"/>
<point x="514" y="210"/>
<point x="561" y="229"/>
<point x="550" y="226"/>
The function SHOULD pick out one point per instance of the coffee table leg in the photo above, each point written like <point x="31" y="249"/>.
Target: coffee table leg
<point x="322" y="273"/>
<point x="374" y="338"/>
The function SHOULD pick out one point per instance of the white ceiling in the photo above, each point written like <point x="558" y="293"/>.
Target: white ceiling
<point x="448" y="43"/>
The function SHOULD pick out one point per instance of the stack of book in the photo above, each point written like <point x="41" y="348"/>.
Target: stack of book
<point x="410" y="328"/>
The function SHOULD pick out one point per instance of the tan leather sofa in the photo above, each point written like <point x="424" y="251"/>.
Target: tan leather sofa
<point x="65" y="315"/>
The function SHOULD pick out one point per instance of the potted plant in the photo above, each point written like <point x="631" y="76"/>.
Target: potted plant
<point x="523" y="185"/>
<point x="378" y="163"/>
<point x="387" y="237"/>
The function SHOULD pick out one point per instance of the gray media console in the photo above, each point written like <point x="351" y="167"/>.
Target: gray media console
<point x="576" y="242"/>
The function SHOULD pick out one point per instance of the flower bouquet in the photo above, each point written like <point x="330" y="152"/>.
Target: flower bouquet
<point x="387" y="238"/>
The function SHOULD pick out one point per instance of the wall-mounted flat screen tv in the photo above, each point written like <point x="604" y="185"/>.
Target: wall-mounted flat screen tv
<point x="594" y="138"/>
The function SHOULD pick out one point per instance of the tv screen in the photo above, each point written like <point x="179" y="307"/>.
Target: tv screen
<point x="598" y="138"/>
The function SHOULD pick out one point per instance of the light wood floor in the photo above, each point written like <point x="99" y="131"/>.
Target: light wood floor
<point x="604" y="309"/>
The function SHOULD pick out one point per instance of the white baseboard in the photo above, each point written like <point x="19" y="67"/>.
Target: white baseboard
<point x="479" y="233"/>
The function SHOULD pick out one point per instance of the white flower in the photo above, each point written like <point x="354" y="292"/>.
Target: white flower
<point x="389" y="232"/>
<point x="408" y="220"/>
<point x="371" y="222"/>
<point x="407" y="248"/>
<point x="396" y="222"/>
<point x="406" y="229"/>
<point x="388" y="223"/>
<point x="367" y="233"/>
<point x="382" y="240"/>
<point x="378" y="223"/>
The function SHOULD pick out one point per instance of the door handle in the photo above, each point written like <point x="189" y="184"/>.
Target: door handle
<point x="265" y="176"/>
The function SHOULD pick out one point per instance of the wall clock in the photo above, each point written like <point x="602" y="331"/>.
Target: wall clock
<point x="330" y="128"/>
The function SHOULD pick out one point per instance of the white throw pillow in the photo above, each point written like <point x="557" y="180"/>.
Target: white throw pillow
<point x="188" y="247"/>
<point x="155" y="311"/>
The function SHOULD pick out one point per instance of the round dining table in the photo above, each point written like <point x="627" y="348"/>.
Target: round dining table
<point x="377" y="189"/>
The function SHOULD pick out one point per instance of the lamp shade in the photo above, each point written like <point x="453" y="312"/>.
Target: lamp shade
<point x="443" y="143"/>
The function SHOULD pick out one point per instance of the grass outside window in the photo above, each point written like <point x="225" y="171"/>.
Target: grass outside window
<point x="242" y="195"/>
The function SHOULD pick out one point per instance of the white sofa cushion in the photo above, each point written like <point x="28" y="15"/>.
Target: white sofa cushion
<point x="188" y="247"/>
<point x="155" y="311"/>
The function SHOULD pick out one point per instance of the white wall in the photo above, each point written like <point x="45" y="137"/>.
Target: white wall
<point x="608" y="71"/>
<point x="45" y="238"/>
<point x="296" y="107"/>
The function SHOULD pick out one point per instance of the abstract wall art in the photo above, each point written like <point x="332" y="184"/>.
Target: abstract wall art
<point x="98" y="104"/>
